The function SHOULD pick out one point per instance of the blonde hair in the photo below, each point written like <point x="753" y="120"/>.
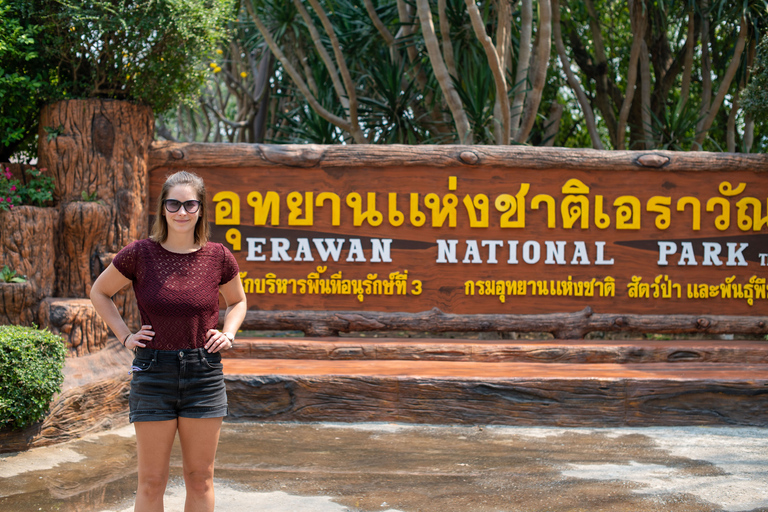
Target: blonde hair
<point x="160" y="226"/>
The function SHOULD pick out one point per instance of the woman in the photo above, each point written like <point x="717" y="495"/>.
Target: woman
<point x="178" y="383"/>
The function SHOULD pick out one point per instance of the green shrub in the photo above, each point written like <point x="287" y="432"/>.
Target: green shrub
<point x="31" y="364"/>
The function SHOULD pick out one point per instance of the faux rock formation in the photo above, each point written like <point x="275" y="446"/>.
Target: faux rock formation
<point x="84" y="332"/>
<point x="27" y="247"/>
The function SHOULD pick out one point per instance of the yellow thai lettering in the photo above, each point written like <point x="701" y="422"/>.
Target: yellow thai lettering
<point x="550" y="201"/>
<point x="722" y="221"/>
<point x="509" y="205"/>
<point x="695" y="210"/>
<point x="660" y="205"/>
<point x="602" y="219"/>
<point x="754" y="222"/>
<point x="628" y="212"/>
<point x="263" y="207"/>
<point x="371" y="215"/>
<point x="575" y="205"/>
<point x="474" y="204"/>
<point x="295" y="200"/>
<point x="234" y="238"/>
<point x="335" y="205"/>
<point x="396" y="217"/>
<point x="227" y="208"/>
<point x="418" y="218"/>
<point x="442" y="210"/>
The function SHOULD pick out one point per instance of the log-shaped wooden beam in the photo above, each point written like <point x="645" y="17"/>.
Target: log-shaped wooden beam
<point x="562" y="325"/>
<point x="190" y="155"/>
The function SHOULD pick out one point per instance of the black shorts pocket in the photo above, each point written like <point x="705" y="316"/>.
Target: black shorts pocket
<point x="213" y="361"/>
<point x="142" y="365"/>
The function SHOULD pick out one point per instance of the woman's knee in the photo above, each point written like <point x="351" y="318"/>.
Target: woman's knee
<point x="153" y="483"/>
<point x="199" y="482"/>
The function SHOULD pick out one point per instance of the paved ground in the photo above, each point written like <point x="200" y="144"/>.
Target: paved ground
<point x="287" y="467"/>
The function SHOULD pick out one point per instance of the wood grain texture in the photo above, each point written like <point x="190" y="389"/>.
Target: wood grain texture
<point x="518" y="351"/>
<point x="502" y="394"/>
<point x="561" y="325"/>
<point x="171" y="154"/>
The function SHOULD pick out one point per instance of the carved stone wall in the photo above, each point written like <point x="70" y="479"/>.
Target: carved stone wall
<point x="27" y="245"/>
<point x="100" y="150"/>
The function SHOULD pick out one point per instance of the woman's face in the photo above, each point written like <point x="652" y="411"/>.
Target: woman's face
<point x="181" y="221"/>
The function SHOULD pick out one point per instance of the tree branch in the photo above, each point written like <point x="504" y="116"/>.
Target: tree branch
<point x="523" y="65"/>
<point x="573" y="81"/>
<point x="543" y="50"/>
<point x="638" y="19"/>
<point x="725" y="84"/>
<point x="441" y="73"/>
<point x="494" y="62"/>
<point x="294" y="74"/>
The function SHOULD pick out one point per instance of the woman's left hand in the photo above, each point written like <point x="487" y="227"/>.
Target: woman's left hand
<point x="217" y="341"/>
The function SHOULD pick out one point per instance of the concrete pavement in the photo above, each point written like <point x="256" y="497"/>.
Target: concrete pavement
<point x="367" y="467"/>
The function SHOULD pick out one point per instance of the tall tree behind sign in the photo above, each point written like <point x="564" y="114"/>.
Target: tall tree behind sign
<point x="627" y="74"/>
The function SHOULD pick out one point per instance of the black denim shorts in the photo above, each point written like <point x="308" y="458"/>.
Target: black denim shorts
<point x="168" y="384"/>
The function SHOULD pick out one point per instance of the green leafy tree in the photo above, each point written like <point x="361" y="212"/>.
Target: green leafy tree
<point x="148" y="51"/>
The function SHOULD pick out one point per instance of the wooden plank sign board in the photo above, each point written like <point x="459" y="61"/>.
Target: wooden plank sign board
<point x="506" y="231"/>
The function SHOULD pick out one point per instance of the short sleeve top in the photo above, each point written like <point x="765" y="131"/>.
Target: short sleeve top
<point x="177" y="294"/>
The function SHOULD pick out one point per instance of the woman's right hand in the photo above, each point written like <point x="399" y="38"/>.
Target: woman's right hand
<point x="140" y="338"/>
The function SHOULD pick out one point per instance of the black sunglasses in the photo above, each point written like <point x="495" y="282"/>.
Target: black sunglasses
<point x="173" y="205"/>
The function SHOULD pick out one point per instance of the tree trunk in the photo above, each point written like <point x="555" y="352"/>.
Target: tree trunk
<point x="102" y="149"/>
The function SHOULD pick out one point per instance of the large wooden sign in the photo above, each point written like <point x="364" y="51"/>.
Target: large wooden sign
<point x="473" y="230"/>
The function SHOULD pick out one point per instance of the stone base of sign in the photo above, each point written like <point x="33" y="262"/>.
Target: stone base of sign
<point x="94" y="398"/>
<point x="18" y="303"/>
<point x="76" y="320"/>
<point x="580" y="384"/>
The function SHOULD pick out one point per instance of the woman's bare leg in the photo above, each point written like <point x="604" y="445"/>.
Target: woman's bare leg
<point x="199" y="440"/>
<point x="154" y="440"/>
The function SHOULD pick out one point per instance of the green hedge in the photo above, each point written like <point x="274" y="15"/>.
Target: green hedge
<point x="31" y="364"/>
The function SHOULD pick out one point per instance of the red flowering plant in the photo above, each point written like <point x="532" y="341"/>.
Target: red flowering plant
<point x="37" y="189"/>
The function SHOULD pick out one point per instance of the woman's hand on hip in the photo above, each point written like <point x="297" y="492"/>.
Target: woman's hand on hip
<point x="140" y="338"/>
<point x="217" y="341"/>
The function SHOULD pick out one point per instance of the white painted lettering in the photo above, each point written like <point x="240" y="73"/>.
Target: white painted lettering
<point x="531" y="252"/>
<point x="473" y="251"/>
<point x="304" y="252"/>
<point x="254" y="248"/>
<point x="355" y="250"/>
<point x="711" y="253"/>
<point x="280" y="249"/>
<point x="665" y="249"/>
<point x="580" y="256"/>
<point x="736" y="256"/>
<point x="446" y="251"/>
<point x="380" y="249"/>
<point x="492" y="245"/>
<point x="600" y="259"/>
<point x="687" y="258"/>
<point x="555" y="253"/>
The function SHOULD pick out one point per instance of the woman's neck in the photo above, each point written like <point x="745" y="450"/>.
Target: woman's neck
<point x="180" y="243"/>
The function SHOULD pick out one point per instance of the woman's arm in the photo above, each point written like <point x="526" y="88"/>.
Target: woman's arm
<point x="234" y="296"/>
<point x="108" y="284"/>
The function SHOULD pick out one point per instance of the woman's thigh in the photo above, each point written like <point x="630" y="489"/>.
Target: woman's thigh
<point x="154" y="440"/>
<point x="199" y="439"/>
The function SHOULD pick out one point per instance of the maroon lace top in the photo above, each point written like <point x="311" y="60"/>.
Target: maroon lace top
<point x="178" y="294"/>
